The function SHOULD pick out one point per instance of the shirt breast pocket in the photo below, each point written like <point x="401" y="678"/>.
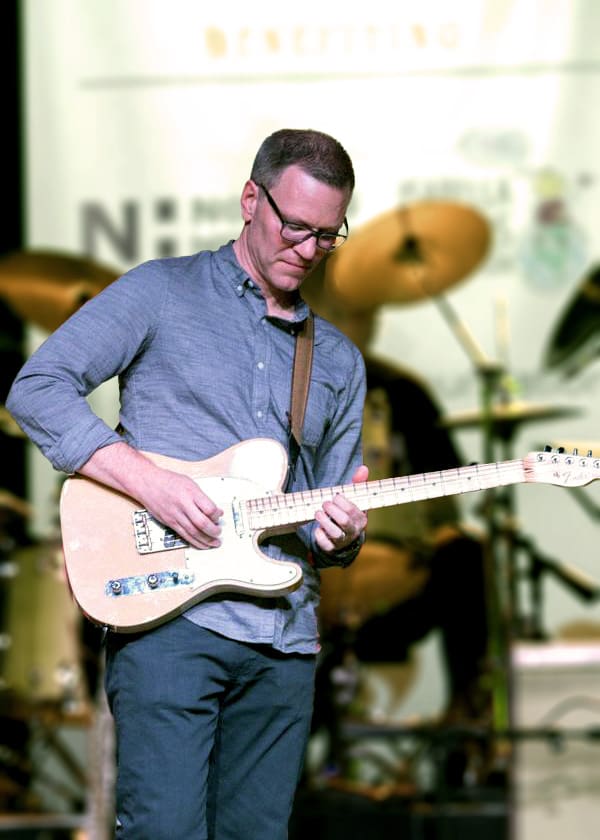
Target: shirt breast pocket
<point x="319" y="414"/>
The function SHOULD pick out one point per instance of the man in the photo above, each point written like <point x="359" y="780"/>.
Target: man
<point x="212" y="709"/>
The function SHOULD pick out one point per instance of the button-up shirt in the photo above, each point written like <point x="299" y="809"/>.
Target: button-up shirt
<point x="202" y="366"/>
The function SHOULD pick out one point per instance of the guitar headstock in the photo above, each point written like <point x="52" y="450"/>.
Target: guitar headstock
<point x="561" y="468"/>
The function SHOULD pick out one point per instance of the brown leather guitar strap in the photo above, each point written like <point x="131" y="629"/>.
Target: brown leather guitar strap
<point x="301" y="379"/>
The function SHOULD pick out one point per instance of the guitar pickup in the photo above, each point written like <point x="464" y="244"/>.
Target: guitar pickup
<point x="151" y="535"/>
<point x="143" y="584"/>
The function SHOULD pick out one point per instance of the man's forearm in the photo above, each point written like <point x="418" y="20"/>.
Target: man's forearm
<point x="121" y="467"/>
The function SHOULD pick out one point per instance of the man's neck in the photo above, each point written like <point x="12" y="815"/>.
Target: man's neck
<point x="282" y="305"/>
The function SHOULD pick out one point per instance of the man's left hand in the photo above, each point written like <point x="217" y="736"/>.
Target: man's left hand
<point x="340" y="521"/>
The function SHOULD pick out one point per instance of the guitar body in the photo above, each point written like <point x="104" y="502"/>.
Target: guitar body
<point x="118" y="587"/>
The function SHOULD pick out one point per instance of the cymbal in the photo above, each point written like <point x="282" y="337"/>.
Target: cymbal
<point x="8" y="425"/>
<point x="506" y="415"/>
<point x="408" y="254"/>
<point x="575" y="340"/>
<point x="46" y="287"/>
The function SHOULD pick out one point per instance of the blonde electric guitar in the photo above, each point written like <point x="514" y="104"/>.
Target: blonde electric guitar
<point x="129" y="573"/>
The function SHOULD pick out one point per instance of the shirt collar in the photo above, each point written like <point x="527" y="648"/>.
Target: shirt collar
<point x="242" y="283"/>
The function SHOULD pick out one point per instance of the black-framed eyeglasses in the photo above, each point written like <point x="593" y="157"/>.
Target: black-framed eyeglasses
<point x="295" y="233"/>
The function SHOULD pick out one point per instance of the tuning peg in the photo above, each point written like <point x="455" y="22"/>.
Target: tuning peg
<point x="547" y="448"/>
<point x="589" y="453"/>
<point x="561" y="450"/>
<point x="575" y="451"/>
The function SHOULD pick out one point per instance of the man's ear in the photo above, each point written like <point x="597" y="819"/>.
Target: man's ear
<point x="248" y="200"/>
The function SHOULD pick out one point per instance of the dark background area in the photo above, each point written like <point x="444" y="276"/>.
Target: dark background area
<point x="12" y="226"/>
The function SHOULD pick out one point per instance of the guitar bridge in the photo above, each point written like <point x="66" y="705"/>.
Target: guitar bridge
<point x="151" y="535"/>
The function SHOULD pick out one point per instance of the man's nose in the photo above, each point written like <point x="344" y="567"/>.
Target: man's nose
<point x="308" y="248"/>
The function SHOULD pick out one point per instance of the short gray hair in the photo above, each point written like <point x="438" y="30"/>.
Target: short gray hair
<point x="319" y="154"/>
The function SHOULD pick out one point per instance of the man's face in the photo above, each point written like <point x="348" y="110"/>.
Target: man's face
<point x="278" y="266"/>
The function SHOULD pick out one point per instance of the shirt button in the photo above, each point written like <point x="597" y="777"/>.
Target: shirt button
<point x="240" y="288"/>
<point x="260" y="365"/>
<point x="259" y="414"/>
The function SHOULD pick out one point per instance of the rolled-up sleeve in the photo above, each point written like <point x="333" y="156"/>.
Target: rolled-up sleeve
<point x="57" y="420"/>
<point x="48" y="396"/>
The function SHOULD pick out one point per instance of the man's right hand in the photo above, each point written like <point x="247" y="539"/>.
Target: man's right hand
<point x="174" y="499"/>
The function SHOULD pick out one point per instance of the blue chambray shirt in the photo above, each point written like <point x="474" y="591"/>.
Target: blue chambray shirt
<point x="201" y="367"/>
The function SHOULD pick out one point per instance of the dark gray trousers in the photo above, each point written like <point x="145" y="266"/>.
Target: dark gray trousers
<point x="211" y="734"/>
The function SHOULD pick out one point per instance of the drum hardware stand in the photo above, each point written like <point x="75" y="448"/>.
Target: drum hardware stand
<point x="500" y="567"/>
<point x="586" y="503"/>
<point x="540" y="565"/>
<point x="100" y="806"/>
<point x="506" y="540"/>
<point x="491" y="374"/>
<point x="440" y="741"/>
<point x="7" y="572"/>
<point x="41" y="736"/>
<point x="87" y="788"/>
<point x="529" y="625"/>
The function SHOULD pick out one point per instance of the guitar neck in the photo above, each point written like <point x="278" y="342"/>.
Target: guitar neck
<point x="285" y="512"/>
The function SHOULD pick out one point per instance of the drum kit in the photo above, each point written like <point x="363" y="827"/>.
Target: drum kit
<point x="413" y="254"/>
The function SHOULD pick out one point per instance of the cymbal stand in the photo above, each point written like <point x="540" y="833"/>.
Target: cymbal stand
<point x="499" y="510"/>
<point x="502" y="590"/>
<point x="489" y="372"/>
<point x="590" y="507"/>
<point x="539" y="566"/>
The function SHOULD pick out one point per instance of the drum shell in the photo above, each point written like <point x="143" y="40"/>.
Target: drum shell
<point x="42" y="658"/>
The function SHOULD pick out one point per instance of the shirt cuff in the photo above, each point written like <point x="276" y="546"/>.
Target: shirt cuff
<point x="344" y="556"/>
